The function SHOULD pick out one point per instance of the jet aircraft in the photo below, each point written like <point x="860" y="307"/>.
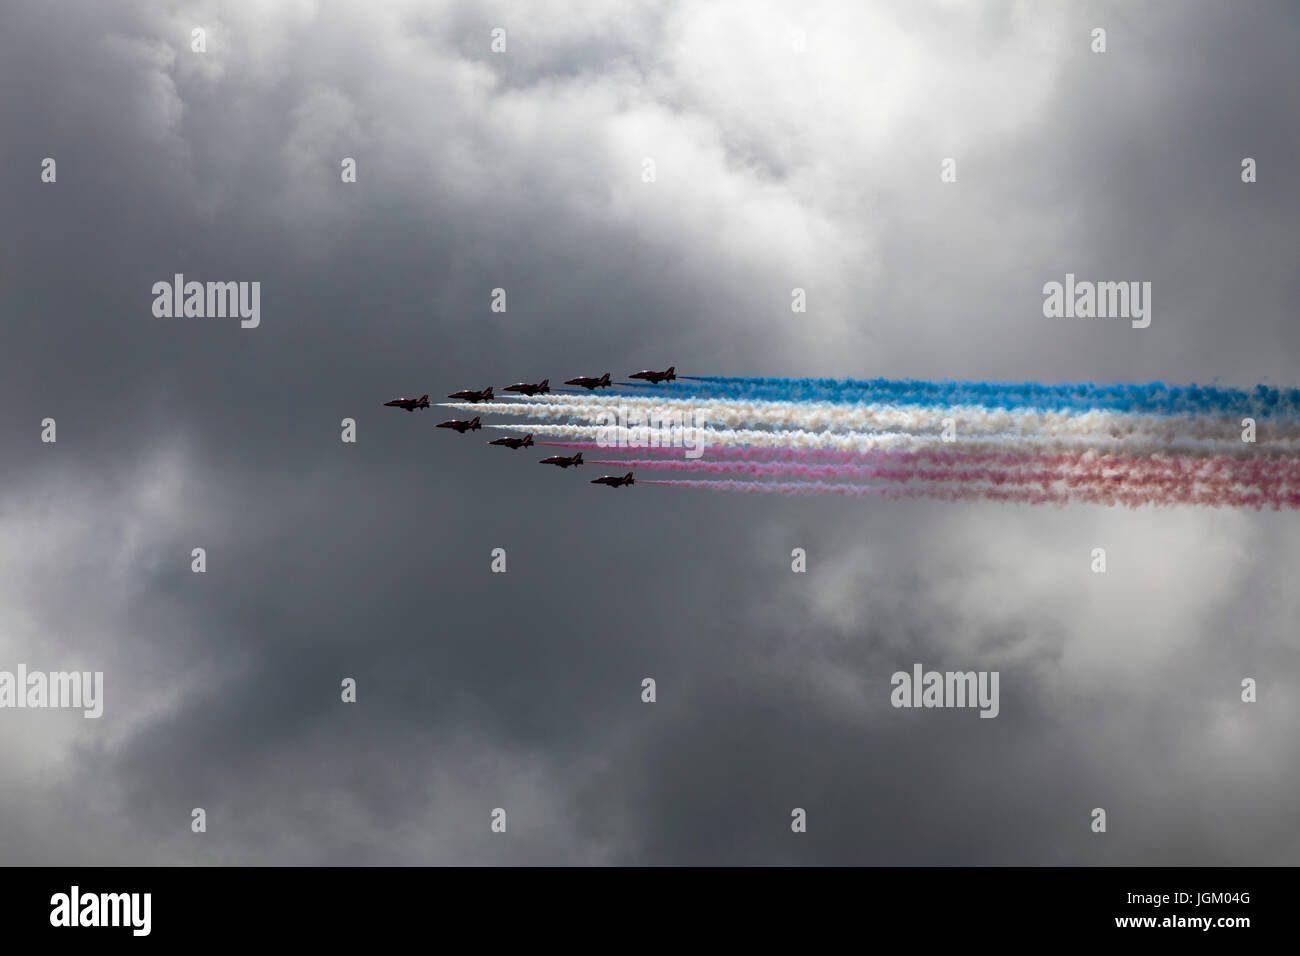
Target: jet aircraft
<point x="589" y="383"/>
<point x="513" y="442"/>
<point x="562" y="460"/>
<point x="469" y="395"/>
<point x="655" y="378"/>
<point x="410" y="404"/>
<point x="462" y="426"/>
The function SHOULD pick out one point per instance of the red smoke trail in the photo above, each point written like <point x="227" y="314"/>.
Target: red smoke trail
<point x="1131" y="495"/>
<point x="1035" y="470"/>
<point x="943" y="456"/>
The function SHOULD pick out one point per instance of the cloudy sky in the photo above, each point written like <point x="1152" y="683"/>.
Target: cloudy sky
<point x="795" y="144"/>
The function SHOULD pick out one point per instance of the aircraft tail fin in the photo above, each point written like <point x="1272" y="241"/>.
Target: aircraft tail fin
<point x="546" y="383"/>
<point x="474" y="423"/>
<point x="577" y="459"/>
<point x="672" y="371"/>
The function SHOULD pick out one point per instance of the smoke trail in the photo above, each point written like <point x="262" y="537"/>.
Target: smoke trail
<point x="1261" y="402"/>
<point x="618" y="437"/>
<point x="965" y="420"/>
<point x="1133" y="497"/>
<point x="1033" y="470"/>
<point x="1030" y="443"/>
<point x="937" y="455"/>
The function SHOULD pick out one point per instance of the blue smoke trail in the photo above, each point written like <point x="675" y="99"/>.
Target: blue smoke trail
<point x="1261" y="402"/>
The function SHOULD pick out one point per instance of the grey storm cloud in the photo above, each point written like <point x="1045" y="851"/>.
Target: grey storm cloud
<point x="795" y="145"/>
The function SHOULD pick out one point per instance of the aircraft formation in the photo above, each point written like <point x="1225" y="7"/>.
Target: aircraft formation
<point x="1121" y="444"/>
<point x="590" y="383"/>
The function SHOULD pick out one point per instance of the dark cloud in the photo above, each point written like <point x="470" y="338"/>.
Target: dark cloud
<point x="775" y="169"/>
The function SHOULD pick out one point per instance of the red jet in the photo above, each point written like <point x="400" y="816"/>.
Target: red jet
<point x="462" y="427"/>
<point x="654" y="378"/>
<point x="469" y="395"/>
<point x="562" y="461"/>
<point x="513" y="442"/>
<point x="541" y="388"/>
<point x="614" y="481"/>
<point x="410" y="404"/>
<point x="590" y="383"/>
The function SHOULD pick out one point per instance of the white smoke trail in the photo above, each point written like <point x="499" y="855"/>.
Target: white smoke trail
<point x="614" y="437"/>
<point x="966" y="419"/>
